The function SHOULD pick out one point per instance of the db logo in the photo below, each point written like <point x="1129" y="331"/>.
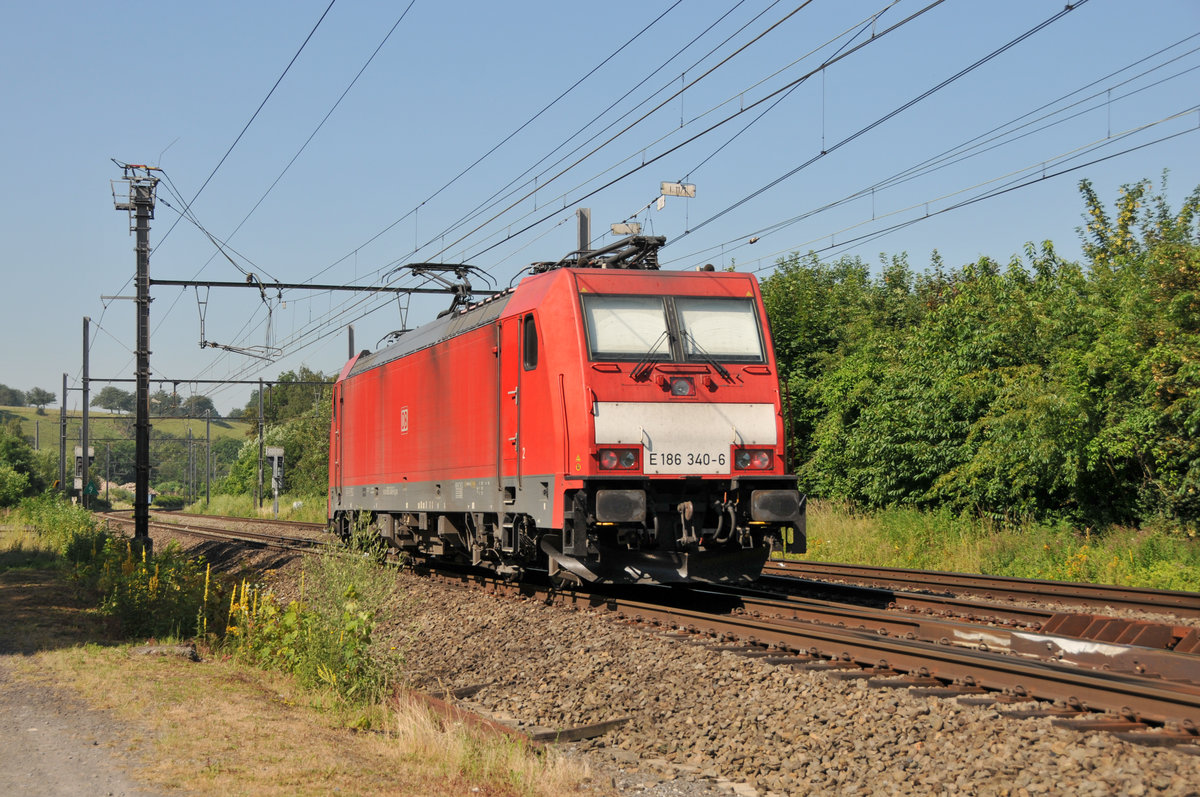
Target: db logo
<point x="404" y="420"/>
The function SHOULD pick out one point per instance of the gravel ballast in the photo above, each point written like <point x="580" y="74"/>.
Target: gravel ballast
<point x="700" y="715"/>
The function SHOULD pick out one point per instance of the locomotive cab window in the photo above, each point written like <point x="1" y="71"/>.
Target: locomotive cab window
<point x="722" y="328"/>
<point x="672" y="328"/>
<point x="530" y="344"/>
<point x="626" y="327"/>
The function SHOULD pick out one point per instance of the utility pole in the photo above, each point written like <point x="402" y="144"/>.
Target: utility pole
<point x="207" y="457"/>
<point x="83" y="435"/>
<point x="191" y="467"/>
<point x="259" y="486"/>
<point x="62" y="440"/>
<point x="139" y="202"/>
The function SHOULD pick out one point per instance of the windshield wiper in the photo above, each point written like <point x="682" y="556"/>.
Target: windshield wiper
<point x="644" y="365"/>
<point x="708" y="358"/>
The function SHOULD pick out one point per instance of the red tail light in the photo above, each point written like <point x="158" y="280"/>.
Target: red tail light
<point x="619" y="458"/>
<point x="753" y="459"/>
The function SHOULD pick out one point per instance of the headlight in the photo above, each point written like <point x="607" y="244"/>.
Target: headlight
<point x="682" y="386"/>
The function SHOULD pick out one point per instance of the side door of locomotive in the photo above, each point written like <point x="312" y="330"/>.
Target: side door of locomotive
<point x="508" y="402"/>
<point x="521" y="397"/>
<point x="335" y="449"/>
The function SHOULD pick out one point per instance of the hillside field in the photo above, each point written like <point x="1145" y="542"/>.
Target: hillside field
<point x="102" y="424"/>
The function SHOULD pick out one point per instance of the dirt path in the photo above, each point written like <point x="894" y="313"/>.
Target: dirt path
<point x="53" y="743"/>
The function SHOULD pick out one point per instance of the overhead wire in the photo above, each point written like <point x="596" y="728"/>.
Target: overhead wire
<point x="250" y="121"/>
<point x="326" y="333"/>
<point x="236" y="141"/>
<point x="349" y="305"/>
<point x="508" y="190"/>
<point x="721" y="122"/>
<point x="221" y="244"/>
<point x="324" y="119"/>
<point x="889" y="115"/>
<point x="514" y="132"/>
<point x="633" y="124"/>
<point x="1013" y="184"/>
<point x="345" y="306"/>
<point x="998" y="135"/>
<point x="863" y="26"/>
<point x="641" y="149"/>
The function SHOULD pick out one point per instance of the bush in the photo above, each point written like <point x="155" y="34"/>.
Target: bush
<point x="169" y="503"/>
<point x="326" y="637"/>
<point x="13" y="485"/>
<point x="67" y="529"/>
<point x="167" y="595"/>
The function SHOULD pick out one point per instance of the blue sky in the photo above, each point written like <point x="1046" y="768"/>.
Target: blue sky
<point x="382" y="181"/>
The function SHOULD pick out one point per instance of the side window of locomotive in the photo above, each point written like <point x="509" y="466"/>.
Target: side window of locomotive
<point x="626" y="327"/>
<point x="722" y="328"/>
<point x="530" y="345"/>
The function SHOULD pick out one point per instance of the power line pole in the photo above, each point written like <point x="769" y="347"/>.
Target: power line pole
<point x="62" y="440"/>
<point x="258" y="487"/>
<point x="207" y="459"/>
<point x="139" y="202"/>
<point x="83" y="435"/>
<point x="191" y="467"/>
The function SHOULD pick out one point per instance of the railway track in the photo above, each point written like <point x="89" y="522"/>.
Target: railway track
<point x="219" y="528"/>
<point x="1103" y="696"/>
<point x="1151" y="694"/>
<point x="1043" y="592"/>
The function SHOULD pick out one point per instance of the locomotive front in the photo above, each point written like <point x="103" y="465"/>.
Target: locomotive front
<point x="685" y="476"/>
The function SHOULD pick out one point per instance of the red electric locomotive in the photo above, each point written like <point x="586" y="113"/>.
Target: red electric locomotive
<point x="606" y="420"/>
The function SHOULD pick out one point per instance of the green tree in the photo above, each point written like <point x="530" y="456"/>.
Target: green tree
<point x="305" y="441"/>
<point x="1041" y="388"/>
<point x="37" y="397"/>
<point x="11" y="397"/>
<point x="1146" y="263"/>
<point x="164" y="404"/>
<point x="113" y="399"/>
<point x="20" y="474"/>
<point x="290" y="396"/>
<point x="199" y="407"/>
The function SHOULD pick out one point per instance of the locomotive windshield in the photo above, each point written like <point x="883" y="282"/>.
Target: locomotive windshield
<point x="672" y="328"/>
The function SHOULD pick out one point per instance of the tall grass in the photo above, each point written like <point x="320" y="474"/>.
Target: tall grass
<point x="326" y="636"/>
<point x="306" y="508"/>
<point x="64" y="528"/>
<point x="167" y="595"/>
<point x="1147" y="557"/>
<point x="458" y="750"/>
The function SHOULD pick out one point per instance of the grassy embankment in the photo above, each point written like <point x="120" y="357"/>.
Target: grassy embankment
<point x="1149" y="557"/>
<point x="307" y="508"/>
<point x="103" y="424"/>
<point x="282" y="694"/>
